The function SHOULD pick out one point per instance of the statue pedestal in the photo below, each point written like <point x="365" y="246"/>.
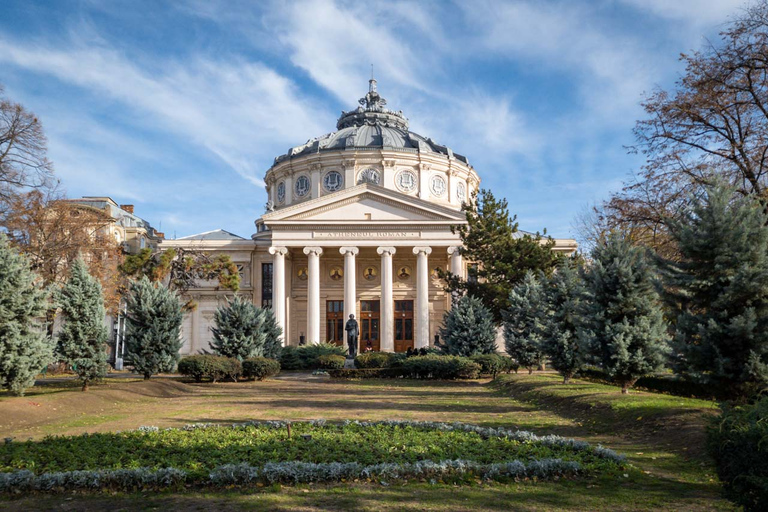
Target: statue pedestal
<point x="349" y="363"/>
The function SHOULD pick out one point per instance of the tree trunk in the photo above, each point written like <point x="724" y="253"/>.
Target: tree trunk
<point x="542" y="367"/>
<point x="85" y="385"/>
<point x="530" y="370"/>
<point x="147" y="376"/>
<point x="566" y="379"/>
<point x="626" y="384"/>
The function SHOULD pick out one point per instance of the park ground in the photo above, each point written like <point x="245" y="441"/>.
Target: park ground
<point x="662" y="436"/>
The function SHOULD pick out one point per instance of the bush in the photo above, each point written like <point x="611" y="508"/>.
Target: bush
<point x="439" y="367"/>
<point x="306" y="357"/>
<point x="738" y="442"/>
<point x="260" y="368"/>
<point x="331" y="362"/>
<point x="375" y="359"/>
<point x="215" y="368"/>
<point x="468" y="328"/>
<point x="491" y="364"/>
<point x="366" y="373"/>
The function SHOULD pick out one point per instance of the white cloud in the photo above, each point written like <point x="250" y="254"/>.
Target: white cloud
<point x="240" y="111"/>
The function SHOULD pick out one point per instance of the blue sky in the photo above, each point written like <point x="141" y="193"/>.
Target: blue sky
<point x="180" y="107"/>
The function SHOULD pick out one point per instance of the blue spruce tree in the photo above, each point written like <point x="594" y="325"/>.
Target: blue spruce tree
<point x="240" y="329"/>
<point x="82" y="342"/>
<point x="468" y="328"/>
<point x="25" y="349"/>
<point x="153" y="327"/>
<point x="624" y="325"/>
<point x="720" y="287"/>
<point x="524" y="322"/>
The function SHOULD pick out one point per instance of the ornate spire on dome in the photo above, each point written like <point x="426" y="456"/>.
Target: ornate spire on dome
<point x="372" y="112"/>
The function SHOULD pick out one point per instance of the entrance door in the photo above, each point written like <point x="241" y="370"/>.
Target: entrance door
<point x="334" y="321"/>
<point x="403" y="325"/>
<point x="369" y="325"/>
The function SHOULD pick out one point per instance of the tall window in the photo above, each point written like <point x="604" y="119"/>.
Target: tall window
<point x="266" y="285"/>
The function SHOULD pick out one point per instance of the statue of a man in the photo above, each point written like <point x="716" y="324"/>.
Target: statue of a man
<point x="352" y="333"/>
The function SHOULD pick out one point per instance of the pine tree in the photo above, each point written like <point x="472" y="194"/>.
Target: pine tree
<point x="239" y="330"/>
<point x="624" y="326"/>
<point x="24" y="347"/>
<point x="720" y="285"/>
<point x="83" y="338"/>
<point x="153" y="325"/>
<point x="468" y="328"/>
<point x="273" y="344"/>
<point x="524" y="322"/>
<point x="565" y="292"/>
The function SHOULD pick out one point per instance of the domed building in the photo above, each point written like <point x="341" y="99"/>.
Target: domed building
<point x="358" y="221"/>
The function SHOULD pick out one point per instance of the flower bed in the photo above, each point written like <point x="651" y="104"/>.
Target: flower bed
<point x="257" y="452"/>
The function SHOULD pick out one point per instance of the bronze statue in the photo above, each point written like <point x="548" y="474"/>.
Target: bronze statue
<point x="352" y="333"/>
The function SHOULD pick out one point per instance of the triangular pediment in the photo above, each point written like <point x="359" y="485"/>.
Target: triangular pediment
<point x="365" y="203"/>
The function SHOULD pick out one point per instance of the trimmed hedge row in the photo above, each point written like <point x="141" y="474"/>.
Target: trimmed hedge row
<point x="215" y="368"/>
<point x="260" y="368"/>
<point x="306" y="357"/>
<point x="331" y="362"/>
<point x="738" y="442"/>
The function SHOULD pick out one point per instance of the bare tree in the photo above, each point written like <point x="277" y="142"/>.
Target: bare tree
<point x="23" y="147"/>
<point x="714" y="124"/>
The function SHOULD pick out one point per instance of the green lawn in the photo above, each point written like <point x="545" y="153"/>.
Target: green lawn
<point x="660" y="434"/>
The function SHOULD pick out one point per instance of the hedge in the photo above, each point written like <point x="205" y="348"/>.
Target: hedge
<point x="305" y="357"/>
<point x="215" y="368"/>
<point x="260" y="368"/>
<point x="375" y="359"/>
<point x="366" y="373"/>
<point x="738" y="442"/>
<point x="439" y="367"/>
<point x="491" y="364"/>
<point x="331" y="362"/>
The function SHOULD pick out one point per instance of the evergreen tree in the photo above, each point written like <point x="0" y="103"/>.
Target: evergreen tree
<point x="83" y="338"/>
<point x="503" y="254"/>
<point x="624" y="324"/>
<point x="153" y="325"/>
<point x="24" y="347"/>
<point x="565" y="292"/>
<point x="720" y="287"/>
<point x="468" y="328"/>
<point x="240" y="329"/>
<point x="273" y="344"/>
<point x="524" y="322"/>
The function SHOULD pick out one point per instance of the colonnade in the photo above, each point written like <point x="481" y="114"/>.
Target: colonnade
<point x="421" y="313"/>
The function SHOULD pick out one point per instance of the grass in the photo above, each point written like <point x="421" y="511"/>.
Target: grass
<point x="664" y="445"/>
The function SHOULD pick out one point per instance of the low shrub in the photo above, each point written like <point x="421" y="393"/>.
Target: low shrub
<point x="260" y="368"/>
<point x="490" y="364"/>
<point x="330" y="362"/>
<point x="510" y="364"/>
<point x="215" y="368"/>
<point x="738" y="442"/>
<point x="366" y="373"/>
<point x="439" y="367"/>
<point x="305" y="357"/>
<point x="374" y="359"/>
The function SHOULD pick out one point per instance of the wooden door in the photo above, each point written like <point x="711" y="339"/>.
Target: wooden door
<point x="334" y="321"/>
<point x="403" y="325"/>
<point x="370" y="320"/>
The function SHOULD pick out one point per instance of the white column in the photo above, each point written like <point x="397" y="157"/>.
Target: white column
<point x="457" y="266"/>
<point x="387" y="305"/>
<point x="422" y="296"/>
<point x="278" y="286"/>
<point x="350" y="281"/>
<point x="313" y="294"/>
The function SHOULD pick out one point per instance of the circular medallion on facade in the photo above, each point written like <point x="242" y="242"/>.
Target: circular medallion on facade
<point x="302" y="273"/>
<point x="435" y="273"/>
<point x="336" y="273"/>
<point x="281" y="192"/>
<point x="302" y="186"/>
<point x="437" y="185"/>
<point x="370" y="273"/>
<point x="406" y="181"/>
<point x="369" y="176"/>
<point x="404" y="272"/>
<point x="461" y="192"/>
<point x="333" y="181"/>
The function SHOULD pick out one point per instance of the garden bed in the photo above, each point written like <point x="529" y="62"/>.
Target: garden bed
<point x="265" y="452"/>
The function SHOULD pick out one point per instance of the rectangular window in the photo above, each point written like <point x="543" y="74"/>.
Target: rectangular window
<point x="472" y="272"/>
<point x="266" y="285"/>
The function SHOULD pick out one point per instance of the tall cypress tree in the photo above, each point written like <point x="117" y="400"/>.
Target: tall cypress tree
<point x="524" y="322"/>
<point x="153" y="328"/>
<point x="82" y="341"/>
<point x="624" y="324"/>
<point x="468" y="328"/>
<point x="720" y="285"/>
<point x="25" y="349"/>
<point x="565" y="292"/>
<point x="239" y="330"/>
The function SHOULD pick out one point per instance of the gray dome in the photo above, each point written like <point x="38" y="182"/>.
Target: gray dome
<point x="371" y="126"/>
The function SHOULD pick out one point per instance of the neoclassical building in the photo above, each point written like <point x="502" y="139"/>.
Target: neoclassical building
<point x="358" y="222"/>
